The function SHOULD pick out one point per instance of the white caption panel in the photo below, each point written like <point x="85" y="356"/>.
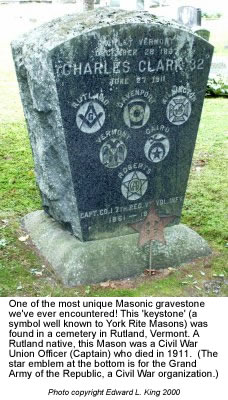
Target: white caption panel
<point x="113" y="348"/>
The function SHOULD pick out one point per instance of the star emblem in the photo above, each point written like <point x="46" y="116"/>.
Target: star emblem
<point x="152" y="228"/>
<point x="134" y="185"/>
<point x="157" y="148"/>
<point x="157" y="153"/>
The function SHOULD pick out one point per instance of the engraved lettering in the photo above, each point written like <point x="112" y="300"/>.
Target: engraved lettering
<point x="169" y="64"/>
<point x="142" y="66"/>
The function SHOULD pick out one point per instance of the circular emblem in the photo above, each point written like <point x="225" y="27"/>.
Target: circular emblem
<point x="90" y="117"/>
<point x="156" y="148"/>
<point x="113" y="153"/>
<point x="136" y="113"/>
<point x="178" y="110"/>
<point x="134" y="185"/>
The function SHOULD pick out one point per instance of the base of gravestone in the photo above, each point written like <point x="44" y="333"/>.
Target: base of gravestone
<point x="77" y="262"/>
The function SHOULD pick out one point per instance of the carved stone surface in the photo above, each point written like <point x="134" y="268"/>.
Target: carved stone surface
<point x="202" y="32"/>
<point x="120" y="257"/>
<point x="112" y="101"/>
<point x="189" y="16"/>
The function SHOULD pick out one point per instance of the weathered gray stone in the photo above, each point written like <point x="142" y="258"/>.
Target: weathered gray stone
<point x="202" y="32"/>
<point x="145" y="78"/>
<point x="219" y="66"/>
<point x="189" y="16"/>
<point x="120" y="257"/>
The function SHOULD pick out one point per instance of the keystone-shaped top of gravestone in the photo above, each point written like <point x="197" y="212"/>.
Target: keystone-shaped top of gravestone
<point x="112" y="101"/>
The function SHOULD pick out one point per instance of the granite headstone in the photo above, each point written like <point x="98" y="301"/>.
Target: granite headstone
<point x="113" y="103"/>
<point x="140" y="4"/>
<point x="219" y="66"/>
<point x="189" y="16"/>
<point x="114" y="3"/>
<point x="204" y="33"/>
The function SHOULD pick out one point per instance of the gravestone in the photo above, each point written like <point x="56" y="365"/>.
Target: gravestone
<point x="114" y="3"/>
<point x="112" y="101"/>
<point x="140" y="4"/>
<point x="204" y="33"/>
<point x="189" y="16"/>
<point x="219" y="66"/>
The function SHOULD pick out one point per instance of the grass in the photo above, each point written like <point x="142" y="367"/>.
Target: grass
<point x="207" y="195"/>
<point x="24" y="273"/>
